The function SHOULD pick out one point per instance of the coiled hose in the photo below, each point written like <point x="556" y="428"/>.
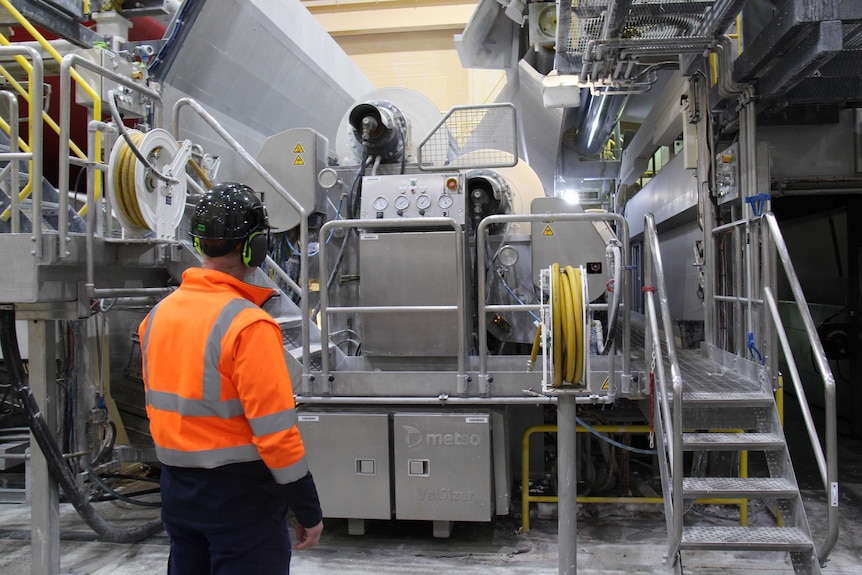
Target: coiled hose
<point x="568" y="325"/>
<point x="57" y="467"/>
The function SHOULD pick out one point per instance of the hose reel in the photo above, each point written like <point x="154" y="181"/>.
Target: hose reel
<point x="143" y="200"/>
<point x="564" y="333"/>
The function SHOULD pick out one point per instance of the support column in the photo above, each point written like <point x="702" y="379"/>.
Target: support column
<point x="567" y="484"/>
<point x="44" y="494"/>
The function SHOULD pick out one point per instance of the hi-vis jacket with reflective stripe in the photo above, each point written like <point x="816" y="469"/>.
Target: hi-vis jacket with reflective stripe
<point x="218" y="391"/>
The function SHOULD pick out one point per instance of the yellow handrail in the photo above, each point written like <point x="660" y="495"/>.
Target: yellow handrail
<point x="79" y="80"/>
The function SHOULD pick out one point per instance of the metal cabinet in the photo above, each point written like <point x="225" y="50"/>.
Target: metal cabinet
<point x="349" y="456"/>
<point x="442" y="466"/>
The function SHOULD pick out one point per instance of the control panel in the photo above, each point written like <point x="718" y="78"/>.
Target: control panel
<point x="727" y="174"/>
<point x="414" y="196"/>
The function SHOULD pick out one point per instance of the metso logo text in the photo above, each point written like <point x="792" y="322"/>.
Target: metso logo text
<point x="415" y="438"/>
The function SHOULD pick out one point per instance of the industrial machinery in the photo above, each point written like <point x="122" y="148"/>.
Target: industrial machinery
<point x="460" y="337"/>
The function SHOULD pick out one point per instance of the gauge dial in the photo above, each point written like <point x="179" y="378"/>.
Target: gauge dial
<point x="423" y="202"/>
<point x="401" y="202"/>
<point x="380" y="203"/>
<point x="445" y="202"/>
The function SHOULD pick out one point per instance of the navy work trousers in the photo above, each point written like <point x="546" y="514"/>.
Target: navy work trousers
<point x="259" y="549"/>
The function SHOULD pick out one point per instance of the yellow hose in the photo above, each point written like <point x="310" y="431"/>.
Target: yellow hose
<point x="568" y="325"/>
<point x="568" y="329"/>
<point x="556" y="317"/>
<point x="577" y="307"/>
<point x="537" y="343"/>
<point x="124" y="181"/>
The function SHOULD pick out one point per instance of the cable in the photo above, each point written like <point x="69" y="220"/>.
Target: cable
<point x="57" y="467"/>
<point x="107" y="489"/>
<point x="517" y="299"/>
<point x="118" y="120"/>
<point x="613" y="442"/>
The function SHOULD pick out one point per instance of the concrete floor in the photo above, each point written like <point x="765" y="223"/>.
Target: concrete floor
<point x="611" y="539"/>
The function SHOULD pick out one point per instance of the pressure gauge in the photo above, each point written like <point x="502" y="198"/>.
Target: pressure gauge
<point x="380" y="204"/>
<point x="423" y="201"/>
<point x="445" y="202"/>
<point x="401" y="202"/>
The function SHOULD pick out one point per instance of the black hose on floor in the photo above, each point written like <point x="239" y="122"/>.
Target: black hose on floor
<point x="57" y="467"/>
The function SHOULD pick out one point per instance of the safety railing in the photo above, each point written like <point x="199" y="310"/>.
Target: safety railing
<point x="669" y="422"/>
<point x="303" y="217"/>
<point x="35" y="100"/>
<point x="622" y="233"/>
<point x="31" y="61"/>
<point x="459" y="307"/>
<point x="12" y="166"/>
<point x="827" y="463"/>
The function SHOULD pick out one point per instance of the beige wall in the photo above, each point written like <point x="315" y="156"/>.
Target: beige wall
<point x="409" y="45"/>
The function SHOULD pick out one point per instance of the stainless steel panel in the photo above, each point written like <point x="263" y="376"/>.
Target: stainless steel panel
<point x="442" y="466"/>
<point x="259" y="67"/>
<point x="409" y="269"/>
<point x="570" y="243"/>
<point x="348" y="453"/>
<point x="294" y="158"/>
<point x="381" y="194"/>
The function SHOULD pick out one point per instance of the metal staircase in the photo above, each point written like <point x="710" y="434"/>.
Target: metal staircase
<point x="745" y="421"/>
<point x="717" y="401"/>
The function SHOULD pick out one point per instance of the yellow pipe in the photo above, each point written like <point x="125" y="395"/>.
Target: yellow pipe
<point x="97" y="100"/>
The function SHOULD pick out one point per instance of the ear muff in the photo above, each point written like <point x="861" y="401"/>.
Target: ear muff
<point x="196" y="242"/>
<point x="254" y="250"/>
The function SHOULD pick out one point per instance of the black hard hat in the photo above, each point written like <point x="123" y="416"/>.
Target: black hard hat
<point x="229" y="211"/>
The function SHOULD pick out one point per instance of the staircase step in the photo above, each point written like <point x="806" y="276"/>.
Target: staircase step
<point x="734" y="398"/>
<point x="732" y="441"/>
<point x="746" y="538"/>
<point x="750" y="487"/>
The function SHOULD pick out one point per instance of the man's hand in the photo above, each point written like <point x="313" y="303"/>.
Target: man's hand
<point x="306" y="538"/>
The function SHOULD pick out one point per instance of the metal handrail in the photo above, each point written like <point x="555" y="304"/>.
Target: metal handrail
<point x="12" y="102"/>
<point x="829" y="468"/>
<point x="459" y="306"/>
<point x="622" y="230"/>
<point x="269" y="179"/>
<point x="35" y="154"/>
<point x="671" y="421"/>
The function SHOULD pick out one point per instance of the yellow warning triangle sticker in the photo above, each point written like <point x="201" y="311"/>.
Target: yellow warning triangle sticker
<point x="548" y="231"/>
<point x="298" y="161"/>
<point x="297" y="149"/>
<point x="606" y="384"/>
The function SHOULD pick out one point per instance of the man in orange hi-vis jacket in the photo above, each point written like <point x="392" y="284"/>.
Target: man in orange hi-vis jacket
<point x="221" y="407"/>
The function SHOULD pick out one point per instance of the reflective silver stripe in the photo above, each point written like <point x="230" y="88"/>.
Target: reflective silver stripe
<point x="208" y="459"/>
<point x="291" y="473"/>
<point x="211" y="404"/>
<point x="212" y="352"/>
<point x="167" y="401"/>
<point x="273" y="422"/>
<point x="145" y="344"/>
